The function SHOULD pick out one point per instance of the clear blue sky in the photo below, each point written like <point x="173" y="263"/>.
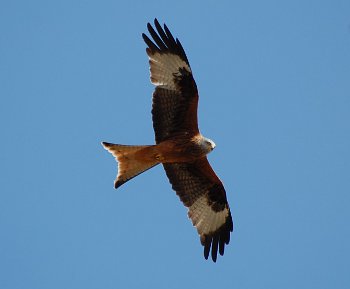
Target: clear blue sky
<point x="274" y="83"/>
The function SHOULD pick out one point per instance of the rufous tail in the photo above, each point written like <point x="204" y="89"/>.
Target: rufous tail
<point x="132" y="160"/>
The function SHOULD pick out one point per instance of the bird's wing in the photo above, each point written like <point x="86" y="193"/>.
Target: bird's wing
<point x="203" y="193"/>
<point x="175" y="98"/>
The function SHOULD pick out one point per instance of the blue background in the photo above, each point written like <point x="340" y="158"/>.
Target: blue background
<point x="274" y="82"/>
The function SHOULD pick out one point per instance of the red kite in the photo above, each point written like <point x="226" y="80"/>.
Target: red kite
<point x="180" y="147"/>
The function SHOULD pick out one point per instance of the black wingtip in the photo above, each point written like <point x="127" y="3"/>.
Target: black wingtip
<point x="221" y="247"/>
<point x="216" y="241"/>
<point x="163" y="41"/>
<point x="214" y="248"/>
<point x="206" y="254"/>
<point x="150" y="44"/>
<point x="207" y="244"/>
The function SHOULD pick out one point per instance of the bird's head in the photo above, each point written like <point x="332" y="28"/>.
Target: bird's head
<point x="207" y="144"/>
<point x="210" y="144"/>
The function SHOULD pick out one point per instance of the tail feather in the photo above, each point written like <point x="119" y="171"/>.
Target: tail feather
<point x="132" y="160"/>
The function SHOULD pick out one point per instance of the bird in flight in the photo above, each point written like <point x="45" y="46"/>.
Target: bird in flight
<point x="180" y="147"/>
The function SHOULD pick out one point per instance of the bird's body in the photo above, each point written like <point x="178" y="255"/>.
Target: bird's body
<point x="183" y="148"/>
<point x="180" y="147"/>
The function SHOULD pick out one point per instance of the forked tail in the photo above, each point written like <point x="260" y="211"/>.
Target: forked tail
<point x="132" y="160"/>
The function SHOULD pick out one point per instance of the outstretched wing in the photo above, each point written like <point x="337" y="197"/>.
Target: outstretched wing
<point x="175" y="98"/>
<point x="202" y="192"/>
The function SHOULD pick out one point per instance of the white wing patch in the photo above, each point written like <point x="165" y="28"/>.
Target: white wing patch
<point x="163" y="67"/>
<point x="204" y="218"/>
